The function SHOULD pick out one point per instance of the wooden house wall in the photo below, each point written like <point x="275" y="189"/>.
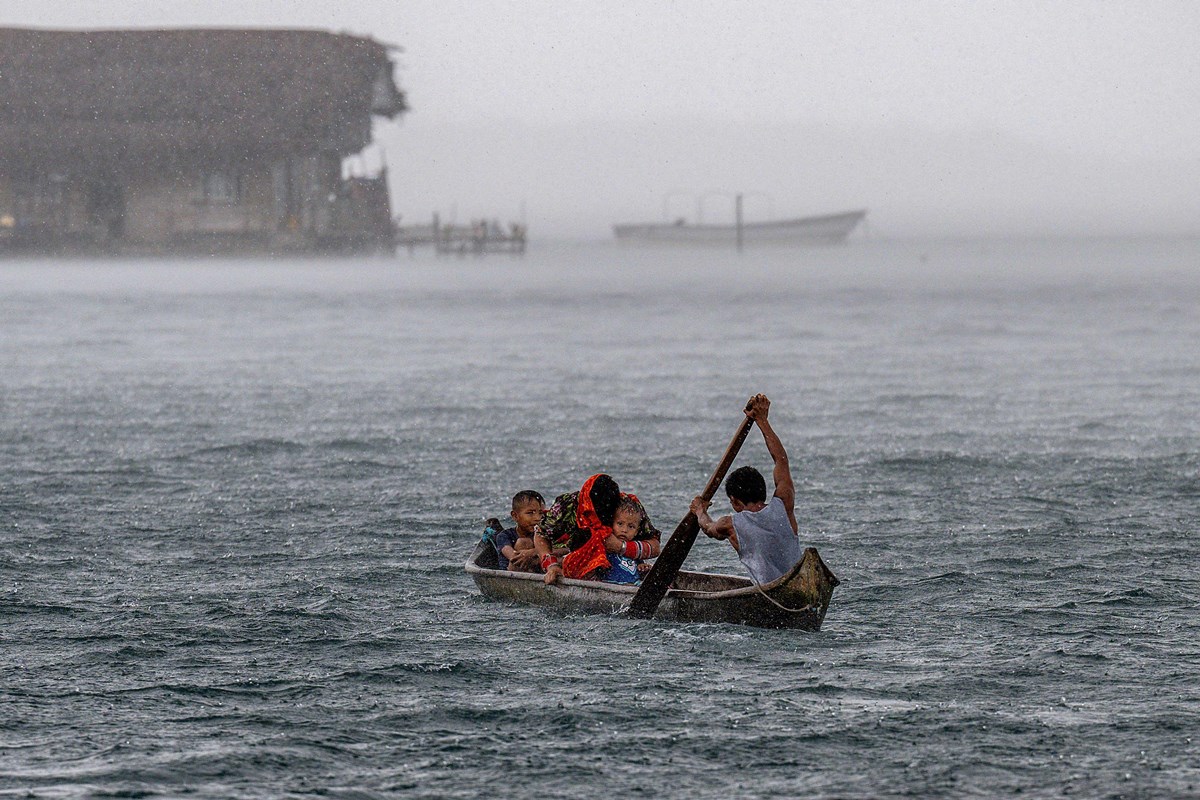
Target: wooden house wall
<point x="162" y="209"/>
<point x="306" y="190"/>
<point x="294" y="197"/>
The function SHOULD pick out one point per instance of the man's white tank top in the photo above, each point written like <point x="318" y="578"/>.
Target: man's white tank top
<point x="767" y="546"/>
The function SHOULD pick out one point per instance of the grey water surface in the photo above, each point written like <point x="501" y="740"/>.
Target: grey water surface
<point x="236" y="498"/>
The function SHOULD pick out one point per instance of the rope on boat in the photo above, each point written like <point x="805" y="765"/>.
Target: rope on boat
<point x="772" y="600"/>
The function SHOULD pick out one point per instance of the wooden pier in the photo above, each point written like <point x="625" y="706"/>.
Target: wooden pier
<point x="478" y="238"/>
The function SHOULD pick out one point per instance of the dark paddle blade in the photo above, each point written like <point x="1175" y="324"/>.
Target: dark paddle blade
<point x="666" y="567"/>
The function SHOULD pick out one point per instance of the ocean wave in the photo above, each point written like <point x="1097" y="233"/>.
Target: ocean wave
<point x="253" y="447"/>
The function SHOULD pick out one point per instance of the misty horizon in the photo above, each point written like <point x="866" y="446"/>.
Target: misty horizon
<point x="940" y="120"/>
<point x="914" y="183"/>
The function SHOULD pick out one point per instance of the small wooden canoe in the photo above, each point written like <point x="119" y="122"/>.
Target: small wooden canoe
<point x="797" y="600"/>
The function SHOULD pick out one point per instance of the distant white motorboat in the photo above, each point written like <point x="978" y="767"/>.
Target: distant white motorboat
<point x="827" y="229"/>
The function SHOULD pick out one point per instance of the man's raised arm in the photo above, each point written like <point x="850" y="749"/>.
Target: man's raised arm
<point x="785" y="490"/>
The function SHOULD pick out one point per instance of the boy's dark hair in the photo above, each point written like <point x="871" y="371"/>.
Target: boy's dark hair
<point x="605" y="497"/>
<point x="527" y="496"/>
<point x="629" y="506"/>
<point x="747" y="485"/>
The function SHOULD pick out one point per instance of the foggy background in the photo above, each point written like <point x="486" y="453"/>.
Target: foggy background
<point x="942" y="119"/>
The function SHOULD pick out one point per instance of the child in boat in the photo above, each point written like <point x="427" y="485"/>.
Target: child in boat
<point x="576" y="536"/>
<point x="763" y="533"/>
<point x="514" y="546"/>
<point x="625" y="553"/>
<point x="621" y="549"/>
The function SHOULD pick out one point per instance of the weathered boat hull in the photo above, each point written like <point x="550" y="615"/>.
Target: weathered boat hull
<point x="823" y="230"/>
<point x="798" y="600"/>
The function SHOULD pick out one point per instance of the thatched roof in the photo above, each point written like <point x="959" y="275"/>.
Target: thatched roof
<point x="125" y="97"/>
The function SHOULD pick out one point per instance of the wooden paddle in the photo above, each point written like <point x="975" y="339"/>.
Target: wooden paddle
<point x="666" y="567"/>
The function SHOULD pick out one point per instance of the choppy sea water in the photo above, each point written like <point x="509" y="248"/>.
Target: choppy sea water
<point x="236" y="497"/>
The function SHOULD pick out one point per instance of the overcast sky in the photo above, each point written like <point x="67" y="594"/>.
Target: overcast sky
<point x="954" y="118"/>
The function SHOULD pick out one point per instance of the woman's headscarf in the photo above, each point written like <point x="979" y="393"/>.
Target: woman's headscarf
<point x="591" y="555"/>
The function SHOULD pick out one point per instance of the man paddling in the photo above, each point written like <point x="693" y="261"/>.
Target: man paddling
<point x="763" y="532"/>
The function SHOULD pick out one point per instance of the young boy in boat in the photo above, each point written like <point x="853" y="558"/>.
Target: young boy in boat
<point x="762" y="532"/>
<point x="514" y="546"/>
<point x="625" y="563"/>
<point x="577" y="533"/>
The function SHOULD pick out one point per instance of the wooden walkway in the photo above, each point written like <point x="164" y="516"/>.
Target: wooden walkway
<point x="478" y="238"/>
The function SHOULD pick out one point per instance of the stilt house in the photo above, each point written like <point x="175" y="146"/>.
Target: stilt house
<point x="191" y="141"/>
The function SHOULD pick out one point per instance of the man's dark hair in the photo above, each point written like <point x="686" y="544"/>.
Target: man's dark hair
<point x="527" y="496"/>
<point x="606" y="495"/>
<point x="747" y="485"/>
